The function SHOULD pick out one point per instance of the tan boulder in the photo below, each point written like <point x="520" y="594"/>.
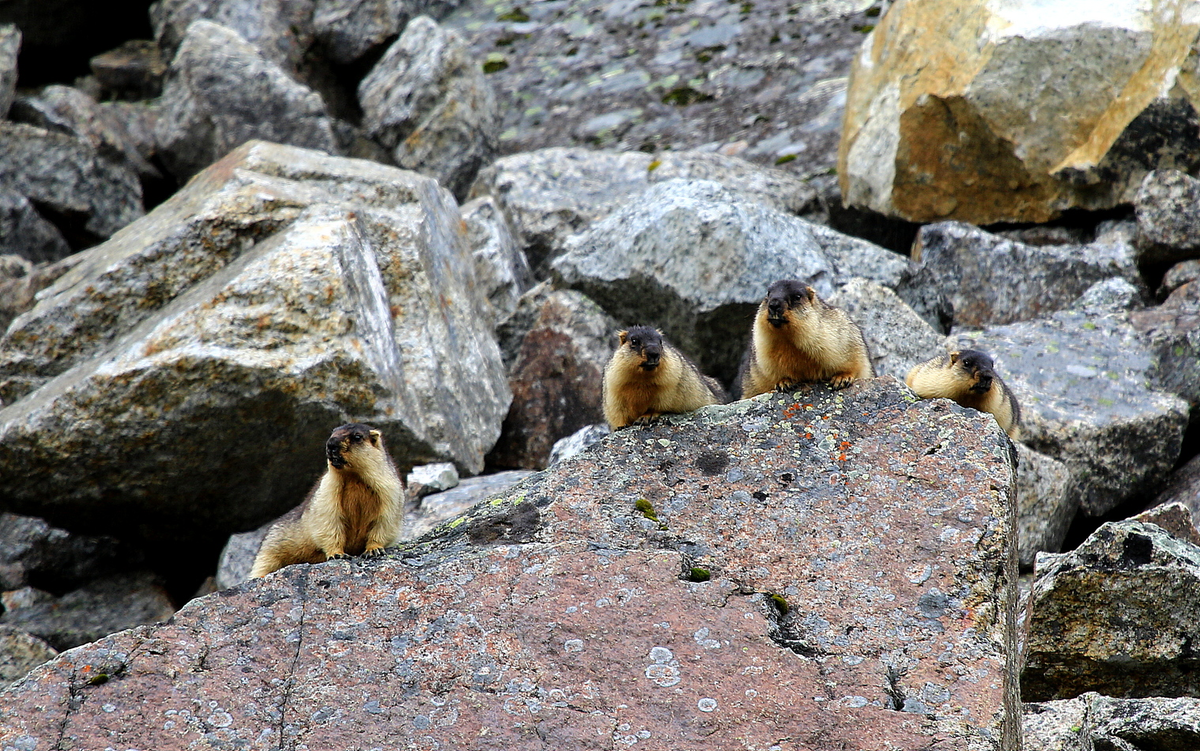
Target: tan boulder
<point x="987" y="111"/>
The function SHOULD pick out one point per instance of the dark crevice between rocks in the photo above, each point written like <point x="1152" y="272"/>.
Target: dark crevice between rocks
<point x="302" y="594"/>
<point x="783" y="629"/>
<point x="894" y="689"/>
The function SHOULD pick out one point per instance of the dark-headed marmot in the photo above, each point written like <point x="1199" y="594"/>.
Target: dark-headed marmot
<point x="356" y="508"/>
<point x="969" y="378"/>
<point x="797" y="338"/>
<point x="646" y="377"/>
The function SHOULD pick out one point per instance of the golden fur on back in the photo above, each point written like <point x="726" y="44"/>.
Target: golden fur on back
<point x="797" y="338"/>
<point x="967" y="377"/>
<point x="646" y="376"/>
<point x="356" y="508"/>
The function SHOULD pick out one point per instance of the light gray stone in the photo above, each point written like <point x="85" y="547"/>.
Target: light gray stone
<point x="430" y="478"/>
<point x="990" y="280"/>
<point x="10" y="45"/>
<point x="20" y="652"/>
<point x="1168" y="217"/>
<point x="278" y="295"/>
<point x="349" y="29"/>
<point x="439" y="508"/>
<point x="1115" y="615"/>
<point x="1047" y="499"/>
<point x="1092" y="722"/>
<point x="280" y="29"/>
<point x="70" y="178"/>
<point x="1183" y="486"/>
<point x="1172" y="331"/>
<point x="1110" y="296"/>
<point x="237" y="557"/>
<point x="222" y="92"/>
<point x="694" y="259"/>
<point x="574" y="444"/>
<point x="500" y="266"/>
<point x="428" y="102"/>
<point x="1085" y="385"/>
<point x="897" y="338"/>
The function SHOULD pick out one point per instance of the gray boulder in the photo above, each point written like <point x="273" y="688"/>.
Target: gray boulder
<point x="1172" y="331"/>
<point x="1092" y="722"/>
<point x="21" y="280"/>
<point x="349" y="29"/>
<point x="10" y="45"/>
<point x="134" y="70"/>
<point x="26" y="233"/>
<point x="1183" y="486"/>
<point x="1085" y="386"/>
<point x="66" y="176"/>
<point x="1168" y="217"/>
<point x="1047" y="499"/>
<point x="500" y="266"/>
<point x="222" y="92"/>
<point x="510" y="332"/>
<point x="427" y="101"/>
<point x="278" y="295"/>
<point x="438" y="508"/>
<point x="555" y="379"/>
<point x="1116" y="615"/>
<point x="33" y="553"/>
<point x="430" y="478"/>
<point x="1179" y="275"/>
<point x="693" y="258"/>
<point x="19" y="653"/>
<point x="237" y="557"/>
<point x="102" y="607"/>
<point x="897" y="338"/>
<point x="577" y="442"/>
<point x="1112" y="295"/>
<point x="990" y="280"/>
<point x="280" y="29"/>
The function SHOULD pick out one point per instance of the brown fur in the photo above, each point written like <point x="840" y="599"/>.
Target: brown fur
<point x="646" y="377"/>
<point x="797" y="338"/>
<point x="969" y="378"/>
<point x="356" y="508"/>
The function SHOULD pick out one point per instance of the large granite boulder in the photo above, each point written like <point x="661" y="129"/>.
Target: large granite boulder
<point x="1168" y="212"/>
<point x="426" y="100"/>
<point x="992" y="280"/>
<point x="281" y="30"/>
<point x="1092" y="722"/>
<point x="221" y="92"/>
<point x="694" y="259"/>
<point x="991" y="111"/>
<point x="1047" y="500"/>
<point x="279" y="294"/>
<point x="500" y="266"/>
<point x="1172" y="331"/>
<point x="837" y="568"/>
<point x="1116" y="615"/>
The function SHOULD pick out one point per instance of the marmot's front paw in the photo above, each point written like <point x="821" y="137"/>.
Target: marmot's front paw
<point x="785" y="386"/>
<point x="373" y="552"/>
<point x="841" y="381"/>
<point x="338" y="557"/>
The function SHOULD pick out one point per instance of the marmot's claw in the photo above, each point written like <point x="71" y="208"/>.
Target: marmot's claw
<point x="339" y="557"/>
<point x="371" y="553"/>
<point x="784" y="386"/>
<point x="841" y="382"/>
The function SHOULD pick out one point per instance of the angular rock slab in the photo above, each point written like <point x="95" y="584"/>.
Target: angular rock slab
<point x="280" y="29"/>
<point x="560" y="616"/>
<point x="694" y="259"/>
<point x="991" y="111"/>
<point x="1116" y="615"/>
<point x="1047" y="499"/>
<point x="235" y="310"/>
<point x="1083" y="384"/>
<point x="1092" y="721"/>
<point x="1168" y="209"/>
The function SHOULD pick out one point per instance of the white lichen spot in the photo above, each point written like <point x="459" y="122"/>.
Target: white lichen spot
<point x="918" y="575"/>
<point x="220" y="719"/>
<point x="751" y="693"/>
<point x="706" y="704"/>
<point x="109" y="707"/>
<point x="854" y="702"/>
<point x="573" y="645"/>
<point x="661" y="654"/>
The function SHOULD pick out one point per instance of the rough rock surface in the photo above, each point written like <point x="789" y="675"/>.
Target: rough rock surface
<point x="430" y="478"/>
<point x="103" y="607"/>
<point x="1113" y="295"/>
<point x="500" y="266"/>
<point x="281" y="293"/>
<point x="32" y="553"/>
<point x="556" y="379"/>
<point x="222" y="92"/>
<point x="10" y="45"/>
<point x="1168" y="217"/>
<point x="641" y="264"/>
<point x="1183" y="486"/>
<point x="279" y="29"/>
<point x="991" y="111"/>
<point x="20" y="280"/>
<point x="1047" y="499"/>
<point x="1116" y="615"/>
<point x="349" y="29"/>
<point x="439" y="508"/>
<point x="92" y="196"/>
<point x="134" y="70"/>
<point x="1085" y="386"/>
<point x="1179" y="275"/>
<point x="1172" y="331"/>
<point x="552" y="193"/>
<point x="991" y="280"/>
<point x="427" y="102"/>
<point x="19" y="653"/>
<point x="577" y="442"/>
<point x="897" y="338"/>
<point x="26" y="233"/>
<point x="562" y="615"/>
<point x="763" y="80"/>
<point x="1093" y="722"/>
<point x="1175" y="518"/>
<point x="237" y="557"/>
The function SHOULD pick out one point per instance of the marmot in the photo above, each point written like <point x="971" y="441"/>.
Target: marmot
<point x="647" y="376"/>
<point x="969" y="378"/>
<point x="356" y="508"/>
<point x="798" y="337"/>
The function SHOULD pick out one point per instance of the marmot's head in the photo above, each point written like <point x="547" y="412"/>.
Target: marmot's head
<point x="353" y="446"/>
<point x="783" y="296"/>
<point x="645" y="343"/>
<point x="976" y="366"/>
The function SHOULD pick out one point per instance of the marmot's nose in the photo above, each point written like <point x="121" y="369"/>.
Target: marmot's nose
<point x="775" y="307"/>
<point x="333" y="452"/>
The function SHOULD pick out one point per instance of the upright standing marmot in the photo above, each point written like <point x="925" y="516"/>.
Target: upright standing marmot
<point x="798" y="337"/>
<point x="969" y="378"/>
<point x="646" y="377"/>
<point x="356" y="508"/>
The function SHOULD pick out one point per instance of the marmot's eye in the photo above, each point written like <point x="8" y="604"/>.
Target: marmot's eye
<point x="355" y="437"/>
<point x="635" y="342"/>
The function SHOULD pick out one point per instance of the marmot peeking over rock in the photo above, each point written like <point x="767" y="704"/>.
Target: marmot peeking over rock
<point x="647" y="376"/>
<point x="356" y="508"/>
<point x="969" y="378"/>
<point x="798" y="337"/>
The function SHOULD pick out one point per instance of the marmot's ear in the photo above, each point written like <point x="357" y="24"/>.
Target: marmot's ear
<point x="375" y="436"/>
<point x="623" y="335"/>
<point x="810" y="293"/>
<point x="954" y="357"/>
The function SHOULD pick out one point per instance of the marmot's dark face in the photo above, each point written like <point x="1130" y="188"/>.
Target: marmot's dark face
<point x="347" y="440"/>
<point x="646" y="343"/>
<point x="785" y="295"/>
<point x="979" y="366"/>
